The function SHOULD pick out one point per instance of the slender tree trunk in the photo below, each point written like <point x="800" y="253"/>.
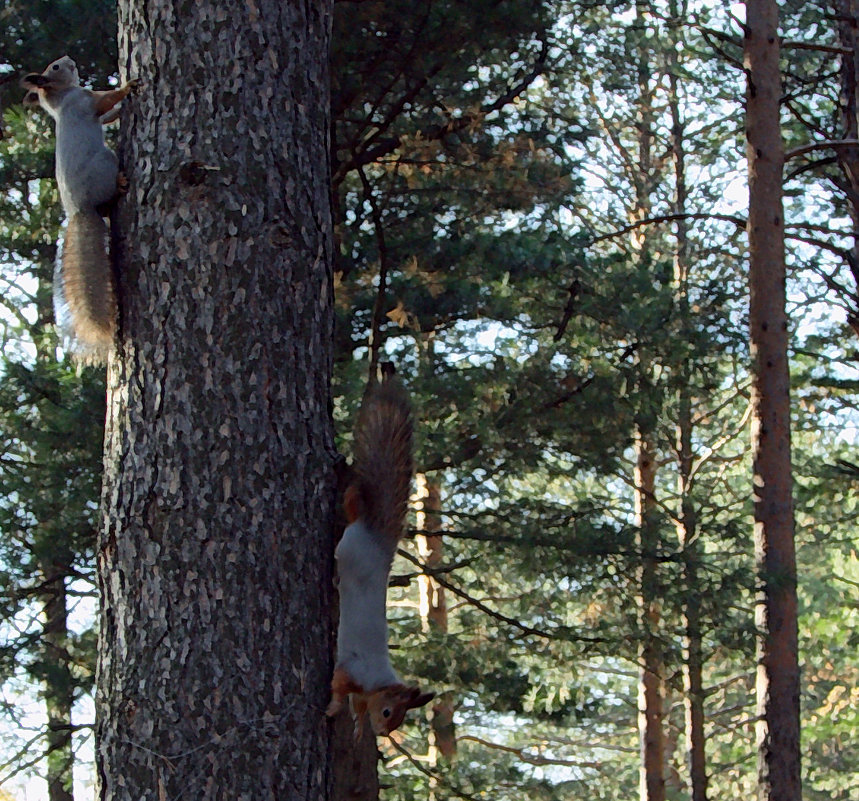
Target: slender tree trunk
<point x="216" y="554"/>
<point x="651" y="712"/>
<point x="776" y="610"/>
<point x="59" y="685"/>
<point x="693" y="660"/>
<point x="433" y="608"/>
<point x="847" y="14"/>
<point x="432" y="604"/>
<point x="651" y="691"/>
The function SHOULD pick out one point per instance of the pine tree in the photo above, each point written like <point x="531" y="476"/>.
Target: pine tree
<point x="776" y="613"/>
<point x="215" y="554"/>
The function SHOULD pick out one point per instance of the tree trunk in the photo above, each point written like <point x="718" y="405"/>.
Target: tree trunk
<point x="693" y="660"/>
<point x="651" y="711"/>
<point x="651" y="708"/>
<point x="216" y="551"/>
<point x="776" y="608"/>
<point x="59" y="685"/>
<point x="847" y="14"/>
<point x="433" y="608"/>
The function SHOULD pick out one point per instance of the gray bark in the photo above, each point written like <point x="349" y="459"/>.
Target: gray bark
<point x="215" y="555"/>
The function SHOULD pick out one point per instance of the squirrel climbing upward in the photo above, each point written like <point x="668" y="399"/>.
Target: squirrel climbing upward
<point x="88" y="177"/>
<point x="375" y="504"/>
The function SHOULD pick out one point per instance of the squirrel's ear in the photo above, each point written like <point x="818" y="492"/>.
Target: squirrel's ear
<point x="34" y="81"/>
<point x="417" y="698"/>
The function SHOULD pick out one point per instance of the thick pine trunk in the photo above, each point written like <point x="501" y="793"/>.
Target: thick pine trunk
<point x="776" y="609"/>
<point x="215" y="556"/>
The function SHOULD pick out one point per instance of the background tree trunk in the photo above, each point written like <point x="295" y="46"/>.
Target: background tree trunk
<point x="687" y="535"/>
<point x="776" y="611"/>
<point x="847" y="14"/>
<point x="651" y="692"/>
<point x="651" y="689"/>
<point x="59" y="684"/>
<point x="215" y="558"/>
<point x="433" y="609"/>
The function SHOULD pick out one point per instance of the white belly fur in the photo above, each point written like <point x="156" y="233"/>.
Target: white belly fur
<point x="362" y="637"/>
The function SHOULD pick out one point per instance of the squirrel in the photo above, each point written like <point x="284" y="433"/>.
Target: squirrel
<point x="375" y="506"/>
<point x="88" y="177"/>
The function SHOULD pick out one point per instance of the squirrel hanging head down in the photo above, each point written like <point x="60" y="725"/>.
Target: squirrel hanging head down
<point x="88" y="177"/>
<point x="375" y="505"/>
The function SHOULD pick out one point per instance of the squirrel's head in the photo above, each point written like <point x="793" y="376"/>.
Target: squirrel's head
<point x="63" y="72"/>
<point x="387" y="707"/>
<point x="59" y="74"/>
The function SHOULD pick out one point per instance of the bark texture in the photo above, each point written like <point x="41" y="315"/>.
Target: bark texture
<point x="216" y="552"/>
<point x="776" y="609"/>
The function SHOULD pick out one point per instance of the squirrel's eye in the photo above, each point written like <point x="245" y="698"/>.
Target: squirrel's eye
<point x="56" y="66"/>
<point x="386" y="713"/>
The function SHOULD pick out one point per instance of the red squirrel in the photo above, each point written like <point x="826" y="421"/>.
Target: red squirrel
<point x="88" y="176"/>
<point x="375" y="504"/>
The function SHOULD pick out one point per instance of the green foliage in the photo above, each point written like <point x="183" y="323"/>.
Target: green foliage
<point x="504" y="198"/>
<point x="51" y="414"/>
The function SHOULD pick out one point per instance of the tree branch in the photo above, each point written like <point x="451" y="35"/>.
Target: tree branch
<point x="739" y="222"/>
<point x="493" y="613"/>
<point x="833" y="144"/>
<point x="383" y="147"/>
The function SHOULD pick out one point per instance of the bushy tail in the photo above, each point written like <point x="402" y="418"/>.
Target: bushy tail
<point x="383" y="458"/>
<point x="88" y="285"/>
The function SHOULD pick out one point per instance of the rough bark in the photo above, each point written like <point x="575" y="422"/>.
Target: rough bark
<point x="776" y="608"/>
<point x="354" y="763"/>
<point x="216" y="551"/>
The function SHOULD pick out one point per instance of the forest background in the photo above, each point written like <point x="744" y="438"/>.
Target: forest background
<point x="540" y="212"/>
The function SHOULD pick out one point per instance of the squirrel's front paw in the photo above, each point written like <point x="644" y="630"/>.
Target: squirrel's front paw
<point x="334" y="706"/>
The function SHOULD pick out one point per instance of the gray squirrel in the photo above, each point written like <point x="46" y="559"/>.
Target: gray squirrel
<point x="375" y="504"/>
<point x="88" y="177"/>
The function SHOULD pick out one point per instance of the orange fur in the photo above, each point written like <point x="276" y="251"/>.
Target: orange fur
<point x="386" y="706"/>
<point x="377" y="497"/>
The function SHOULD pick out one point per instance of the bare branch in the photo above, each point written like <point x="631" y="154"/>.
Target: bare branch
<point x="524" y="754"/>
<point x="833" y="144"/>
<point x="794" y="45"/>
<point x="739" y="222"/>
